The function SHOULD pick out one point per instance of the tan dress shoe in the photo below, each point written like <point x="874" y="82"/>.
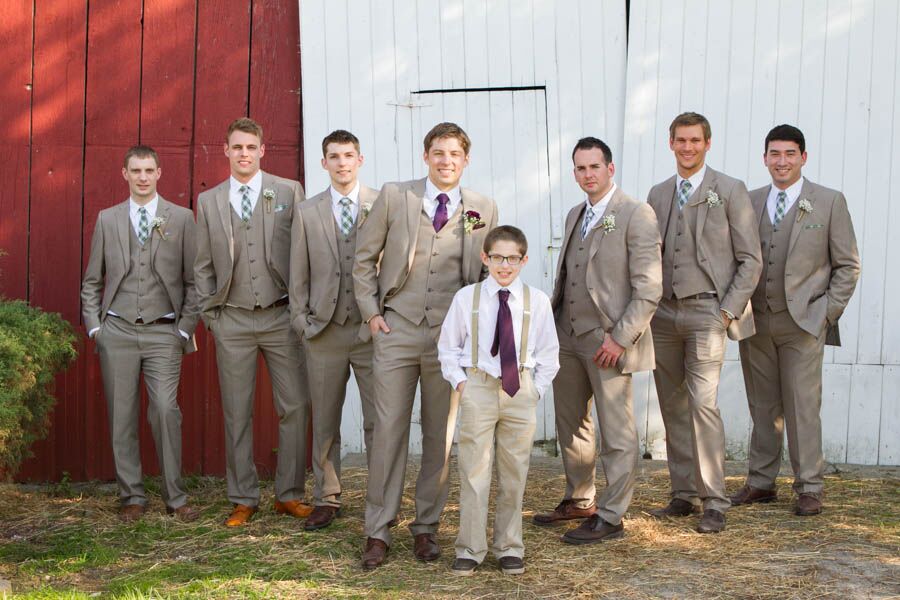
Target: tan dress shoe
<point x="240" y="515"/>
<point x="131" y="512"/>
<point x="295" y="508"/>
<point x="566" y="510"/>
<point x="185" y="513"/>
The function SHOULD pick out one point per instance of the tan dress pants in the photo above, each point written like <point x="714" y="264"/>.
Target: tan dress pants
<point x="689" y="340"/>
<point x="577" y="386"/>
<point x="491" y="423"/>
<point x="403" y="358"/>
<point x="782" y="367"/>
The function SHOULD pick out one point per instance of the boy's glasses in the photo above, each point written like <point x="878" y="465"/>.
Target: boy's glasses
<point x="498" y="259"/>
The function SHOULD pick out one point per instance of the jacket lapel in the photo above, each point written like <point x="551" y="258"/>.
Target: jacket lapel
<point x="414" y="197"/>
<point x="123" y="223"/>
<point x="611" y="210"/>
<point x="708" y="183"/>
<point x="665" y="207"/>
<point x="326" y="219"/>
<point x="224" y="207"/>
<point x="759" y="205"/>
<point x="268" y="212"/>
<point x="806" y="192"/>
<point x="156" y="234"/>
<point x="466" y="203"/>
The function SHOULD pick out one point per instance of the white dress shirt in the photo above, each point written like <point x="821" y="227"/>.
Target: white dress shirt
<point x="235" y="197"/>
<point x="792" y="192"/>
<point x="696" y="179"/>
<point x="455" y="344"/>
<point x="598" y="208"/>
<point x="336" y="206"/>
<point x="134" y="207"/>
<point x="430" y="203"/>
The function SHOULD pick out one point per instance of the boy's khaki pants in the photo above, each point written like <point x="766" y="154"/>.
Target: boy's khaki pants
<point x="489" y="415"/>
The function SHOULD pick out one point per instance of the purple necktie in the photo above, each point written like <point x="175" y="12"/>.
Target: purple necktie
<point x="505" y="343"/>
<point x="440" y="215"/>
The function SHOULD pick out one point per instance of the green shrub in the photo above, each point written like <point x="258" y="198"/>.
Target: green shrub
<point x="34" y="347"/>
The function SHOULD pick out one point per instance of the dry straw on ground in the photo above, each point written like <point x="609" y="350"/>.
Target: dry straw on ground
<point x="54" y="539"/>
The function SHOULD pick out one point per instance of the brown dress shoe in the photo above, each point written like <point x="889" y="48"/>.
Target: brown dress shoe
<point x="807" y="505"/>
<point x="131" y="512"/>
<point x="676" y="508"/>
<point x="712" y="521"/>
<point x="593" y="530"/>
<point x="295" y="508"/>
<point x="375" y="553"/>
<point x="320" y="517"/>
<point x="564" y="511"/>
<point x="426" y="548"/>
<point x="184" y="513"/>
<point x="750" y="495"/>
<point x="240" y="515"/>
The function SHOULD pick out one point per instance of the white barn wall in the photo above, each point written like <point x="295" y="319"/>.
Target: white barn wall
<point x="830" y="67"/>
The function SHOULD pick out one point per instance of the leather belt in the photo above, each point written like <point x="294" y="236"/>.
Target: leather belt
<point x="159" y="321"/>
<point x="280" y="302"/>
<point x="701" y="296"/>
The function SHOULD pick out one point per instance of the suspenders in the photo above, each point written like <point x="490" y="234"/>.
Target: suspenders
<point x="526" y="322"/>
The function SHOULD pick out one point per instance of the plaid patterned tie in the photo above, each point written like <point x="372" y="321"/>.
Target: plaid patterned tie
<point x="143" y="225"/>
<point x="586" y="225"/>
<point x="684" y="193"/>
<point x="246" y="208"/>
<point x="346" y="217"/>
<point x="779" y="208"/>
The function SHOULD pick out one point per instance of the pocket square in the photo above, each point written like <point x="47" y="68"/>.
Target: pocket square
<point x="814" y="226"/>
<point x="280" y="207"/>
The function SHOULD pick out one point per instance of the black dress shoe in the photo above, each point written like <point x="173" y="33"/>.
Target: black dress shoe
<point x="512" y="565"/>
<point x="712" y="521"/>
<point x="676" y="508"/>
<point x="593" y="530"/>
<point x="464" y="567"/>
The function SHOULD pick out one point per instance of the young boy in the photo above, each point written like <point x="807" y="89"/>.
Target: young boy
<point x="499" y="351"/>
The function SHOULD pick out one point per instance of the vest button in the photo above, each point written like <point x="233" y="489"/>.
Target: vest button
<point x="430" y="290"/>
<point x="577" y="266"/>
<point x="334" y="300"/>
<point x="679" y="233"/>
<point x="427" y="308"/>
<point x="434" y="253"/>
<point x="431" y="272"/>
<point x="676" y="266"/>
<point x="771" y="262"/>
<point x="337" y="274"/>
<point x="677" y="249"/>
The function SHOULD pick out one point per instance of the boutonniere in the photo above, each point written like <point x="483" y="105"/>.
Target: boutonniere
<point x="712" y="199"/>
<point x="472" y="221"/>
<point x="608" y="223"/>
<point x="269" y="195"/>
<point x="159" y="224"/>
<point x="805" y="207"/>
<point x="364" y="212"/>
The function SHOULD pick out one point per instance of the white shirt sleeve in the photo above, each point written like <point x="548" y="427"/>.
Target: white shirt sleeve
<point x="546" y="343"/>
<point x="454" y="332"/>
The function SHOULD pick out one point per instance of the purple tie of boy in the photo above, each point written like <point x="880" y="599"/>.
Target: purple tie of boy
<point x="505" y="343"/>
<point x="440" y="215"/>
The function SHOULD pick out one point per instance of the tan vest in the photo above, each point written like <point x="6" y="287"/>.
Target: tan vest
<point x="682" y="275"/>
<point x="578" y="314"/>
<point x="346" y="302"/>
<point x="140" y="294"/>
<point x="251" y="282"/>
<point x="769" y="293"/>
<point x="436" y="273"/>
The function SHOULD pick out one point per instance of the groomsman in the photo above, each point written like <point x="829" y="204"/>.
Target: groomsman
<point x="711" y="263"/>
<point x="419" y="245"/>
<point x="242" y="273"/>
<point x="810" y="269"/>
<point x="608" y="284"/>
<point x="140" y="306"/>
<point x="324" y="312"/>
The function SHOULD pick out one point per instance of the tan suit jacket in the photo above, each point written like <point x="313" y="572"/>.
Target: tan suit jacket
<point x="727" y="241"/>
<point x="315" y="260"/>
<point x="392" y="228"/>
<point x="215" y="240"/>
<point x="172" y="250"/>
<point x="823" y="264"/>
<point x="624" y="277"/>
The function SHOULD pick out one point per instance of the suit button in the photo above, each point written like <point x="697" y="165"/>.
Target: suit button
<point x="572" y="319"/>
<point x="334" y="300"/>
<point x="577" y="266"/>
<point x="337" y="274"/>
<point x="434" y="253"/>
<point x="773" y="245"/>
<point x="427" y="308"/>
<point x="580" y="249"/>
<point x="348" y="258"/>
<point x="253" y="277"/>
<point x="571" y="302"/>
<point x="676" y="266"/>
<point x="769" y="280"/>
<point x="430" y="290"/>
<point x="771" y="262"/>
<point x="679" y="233"/>
<point x="431" y="272"/>
<point x="573" y="284"/>
<point x="142" y="264"/>
<point x="249" y="243"/>
<point x="677" y="249"/>
<point x="679" y="217"/>
<point x="253" y="260"/>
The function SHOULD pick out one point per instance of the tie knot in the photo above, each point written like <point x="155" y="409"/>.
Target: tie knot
<point x="442" y="199"/>
<point x="345" y="201"/>
<point x="504" y="296"/>
<point x="244" y="189"/>
<point x="686" y="186"/>
<point x="142" y="211"/>
<point x="782" y="195"/>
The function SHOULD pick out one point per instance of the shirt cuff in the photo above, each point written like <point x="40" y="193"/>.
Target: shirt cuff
<point x="184" y="334"/>
<point x="727" y="313"/>
<point x="458" y="378"/>
<point x="93" y="332"/>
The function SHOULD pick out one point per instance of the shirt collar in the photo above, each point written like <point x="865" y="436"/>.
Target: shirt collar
<point x="151" y="206"/>
<point x="604" y="200"/>
<point x="792" y="192"/>
<point x="696" y="179"/>
<point x="255" y="184"/>
<point x="336" y="196"/>
<point x="491" y="286"/>
<point x="432" y="191"/>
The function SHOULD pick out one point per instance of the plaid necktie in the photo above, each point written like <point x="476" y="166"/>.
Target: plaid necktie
<point x="586" y="225"/>
<point x="143" y="225"/>
<point x="684" y="193"/>
<point x="505" y="345"/>
<point x="246" y="208"/>
<point x="346" y="217"/>
<point x="779" y="208"/>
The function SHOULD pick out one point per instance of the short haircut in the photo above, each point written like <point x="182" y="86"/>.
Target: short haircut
<point x="505" y="233"/>
<point x="688" y="119"/>
<point x="141" y="151"/>
<point x="339" y="136"/>
<point x="589" y="143"/>
<point x="247" y="126"/>
<point x="786" y="133"/>
<point x="448" y="130"/>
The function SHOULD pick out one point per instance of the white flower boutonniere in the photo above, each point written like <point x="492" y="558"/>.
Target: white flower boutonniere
<point x="159" y="224"/>
<point x="805" y="207"/>
<point x="608" y="223"/>
<point x="269" y="195"/>
<point x="712" y="199"/>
